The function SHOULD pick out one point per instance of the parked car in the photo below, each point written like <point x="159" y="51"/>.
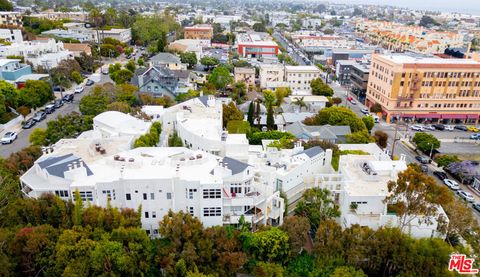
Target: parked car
<point x="472" y="129"/>
<point x="58" y="103"/>
<point x="476" y="206"/>
<point x="9" y="137"/>
<point x="429" y="127"/>
<point x="58" y="89"/>
<point x="39" y="116"/>
<point x="451" y="184"/>
<point x="448" y="128"/>
<point x="89" y="82"/>
<point x="466" y="196"/>
<point x="424" y="168"/>
<point x="365" y="111"/>
<point x="475" y="136"/>
<point x="79" y="89"/>
<point x="50" y="108"/>
<point x="28" y="124"/>
<point x="439" y="127"/>
<point x="461" y="127"/>
<point x="68" y="98"/>
<point x="422" y="159"/>
<point x="416" y="128"/>
<point x="440" y="174"/>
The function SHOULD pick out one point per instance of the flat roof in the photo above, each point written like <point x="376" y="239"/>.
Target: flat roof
<point x="409" y="59"/>
<point x="301" y="68"/>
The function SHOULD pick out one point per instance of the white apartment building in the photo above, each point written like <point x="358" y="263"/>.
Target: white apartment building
<point x="216" y="190"/>
<point x="11" y="19"/>
<point x="198" y="122"/>
<point x="123" y="35"/>
<point x="47" y="53"/>
<point x="116" y="124"/>
<point x="322" y="41"/>
<point x="361" y="181"/>
<point x="299" y="78"/>
<point x="11" y="35"/>
<point x="272" y="76"/>
<point x="81" y="37"/>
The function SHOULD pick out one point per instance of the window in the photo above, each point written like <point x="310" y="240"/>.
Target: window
<point x="212" y="193"/>
<point x="190" y="193"/>
<point x="152" y="196"/>
<point x="146" y="215"/>
<point x="128" y="196"/>
<point x="154" y="214"/>
<point x="61" y="193"/>
<point x="191" y="211"/>
<point x="109" y="194"/>
<point x="144" y="196"/>
<point x="86" y="195"/>
<point x="169" y="195"/>
<point x="212" y="211"/>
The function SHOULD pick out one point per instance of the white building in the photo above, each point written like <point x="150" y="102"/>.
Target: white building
<point x="360" y="187"/>
<point x="123" y="35"/>
<point x="198" y="122"/>
<point x="216" y="190"/>
<point x="272" y="76"/>
<point x="300" y="77"/>
<point x="117" y="124"/>
<point x="11" y="35"/>
<point x="69" y="34"/>
<point x="47" y="53"/>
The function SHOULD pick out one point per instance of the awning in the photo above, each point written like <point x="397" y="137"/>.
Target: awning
<point x="407" y="115"/>
<point x="454" y="116"/>
<point x="471" y="116"/>
<point x="428" y="115"/>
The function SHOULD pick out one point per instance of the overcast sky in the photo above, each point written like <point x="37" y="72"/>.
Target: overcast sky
<point x="463" y="6"/>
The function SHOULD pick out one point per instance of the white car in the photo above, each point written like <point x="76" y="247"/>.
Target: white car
<point x="466" y="196"/>
<point x="365" y="111"/>
<point x="451" y="184"/>
<point x="79" y="89"/>
<point x="429" y="127"/>
<point x="9" y="137"/>
<point x="448" y="128"/>
<point x="416" y="128"/>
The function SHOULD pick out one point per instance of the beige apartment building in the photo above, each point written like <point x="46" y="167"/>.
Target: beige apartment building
<point x="202" y="31"/>
<point x="425" y="89"/>
<point x="244" y="74"/>
<point x="11" y="19"/>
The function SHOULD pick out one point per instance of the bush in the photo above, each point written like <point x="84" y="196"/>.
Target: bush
<point x="238" y="127"/>
<point x="6" y="117"/>
<point x="445" y="160"/>
<point x="257" y="137"/>
<point x="151" y="139"/>
<point x="174" y="140"/>
<point x="76" y="77"/>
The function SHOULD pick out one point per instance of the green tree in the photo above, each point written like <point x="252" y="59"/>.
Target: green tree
<point x="337" y="116"/>
<point x="94" y="103"/>
<point x="269" y="246"/>
<point x="239" y="91"/>
<point x="415" y="197"/>
<point x="209" y="62"/>
<point x="131" y="66"/>
<point x="257" y="137"/>
<point x="10" y="94"/>
<point x="270" y="119"/>
<point x="269" y="98"/>
<point x="376" y="108"/>
<point x="317" y="205"/>
<point x="140" y="62"/>
<point x="78" y="209"/>
<point x="320" y="88"/>
<point x="426" y="142"/>
<point x="220" y="77"/>
<point x="259" y="27"/>
<point x="281" y="93"/>
<point x="250" y="114"/>
<point x="67" y="126"/>
<point x="5" y="5"/>
<point x="263" y="269"/>
<point x="369" y="122"/>
<point x="38" y="137"/>
<point x="231" y="112"/>
<point x="381" y="138"/>
<point x="174" y="140"/>
<point x="445" y="160"/>
<point x="359" y="137"/>
<point x="35" y="93"/>
<point x="190" y="58"/>
<point x="162" y="42"/>
<point x="121" y="76"/>
<point x="297" y="228"/>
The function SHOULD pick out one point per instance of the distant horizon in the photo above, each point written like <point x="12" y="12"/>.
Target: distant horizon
<point x="461" y="6"/>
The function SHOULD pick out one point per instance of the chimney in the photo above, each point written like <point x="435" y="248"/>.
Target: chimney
<point x="70" y="167"/>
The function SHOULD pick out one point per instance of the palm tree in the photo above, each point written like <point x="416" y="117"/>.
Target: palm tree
<point x="299" y="102"/>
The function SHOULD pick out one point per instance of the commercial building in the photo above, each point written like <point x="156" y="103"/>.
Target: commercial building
<point x="360" y="188"/>
<point x="304" y="40"/>
<point x="299" y="78"/>
<point x="11" y="35"/>
<point x="359" y="79"/>
<point x="12" y="69"/>
<point x="244" y="74"/>
<point x="201" y="31"/>
<point x="256" y="45"/>
<point x="423" y="88"/>
<point x="11" y="19"/>
<point x="343" y="69"/>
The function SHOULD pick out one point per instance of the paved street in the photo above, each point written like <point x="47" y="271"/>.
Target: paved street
<point x="284" y="43"/>
<point x="23" y="134"/>
<point x="401" y="148"/>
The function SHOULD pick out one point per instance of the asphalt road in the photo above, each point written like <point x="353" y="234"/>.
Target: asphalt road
<point x="23" y="134"/>
<point x="400" y="148"/>
<point x="284" y="43"/>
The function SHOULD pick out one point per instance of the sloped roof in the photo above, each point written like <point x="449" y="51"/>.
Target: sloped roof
<point x="234" y="165"/>
<point x="58" y="165"/>
<point x="312" y="152"/>
<point x="165" y="58"/>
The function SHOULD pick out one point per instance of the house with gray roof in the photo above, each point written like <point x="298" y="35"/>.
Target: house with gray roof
<point x="334" y="134"/>
<point x="167" y="60"/>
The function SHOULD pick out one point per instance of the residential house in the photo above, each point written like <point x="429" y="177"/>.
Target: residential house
<point x="333" y="134"/>
<point x="244" y="74"/>
<point x="12" y="69"/>
<point x="167" y="60"/>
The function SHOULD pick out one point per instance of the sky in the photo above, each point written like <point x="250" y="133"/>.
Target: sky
<point x="462" y="6"/>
